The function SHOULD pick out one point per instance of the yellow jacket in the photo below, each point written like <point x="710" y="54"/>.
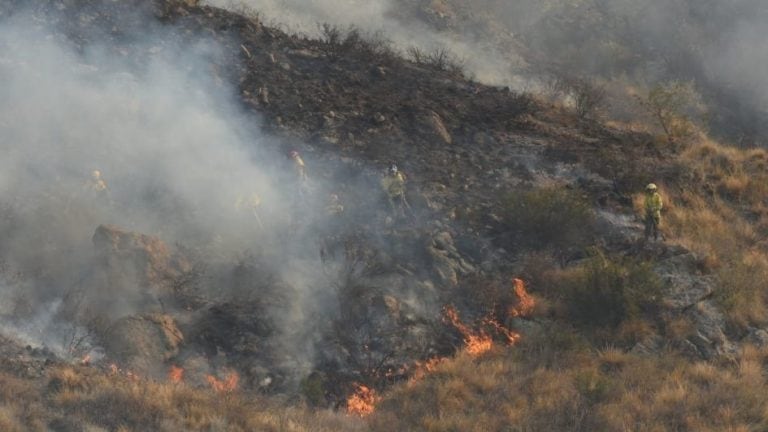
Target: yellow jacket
<point x="653" y="204"/>
<point x="394" y="185"/>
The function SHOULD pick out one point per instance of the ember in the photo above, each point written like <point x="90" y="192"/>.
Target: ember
<point x="176" y="374"/>
<point x="362" y="402"/>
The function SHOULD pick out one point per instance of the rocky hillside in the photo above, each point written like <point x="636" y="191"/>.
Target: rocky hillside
<point x="310" y="311"/>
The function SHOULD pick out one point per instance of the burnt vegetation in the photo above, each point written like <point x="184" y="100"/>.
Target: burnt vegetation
<point x="615" y="333"/>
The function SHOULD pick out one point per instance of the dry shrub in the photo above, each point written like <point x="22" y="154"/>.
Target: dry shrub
<point x="548" y="218"/>
<point x="604" y="292"/>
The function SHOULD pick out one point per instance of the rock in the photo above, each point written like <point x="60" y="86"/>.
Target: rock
<point x="263" y="95"/>
<point x="757" y="337"/>
<point x="652" y="345"/>
<point x="437" y="127"/>
<point x="684" y="291"/>
<point x="379" y="118"/>
<point x="140" y="342"/>
<point x="447" y="262"/>
<point x="146" y="257"/>
<point x="618" y="229"/>
<point x="710" y="338"/>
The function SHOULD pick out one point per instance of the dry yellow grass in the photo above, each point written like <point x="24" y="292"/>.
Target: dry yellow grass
<point x="723" y="216"/>
<point x="606" y="391"/>
<point x="97" y="401"/>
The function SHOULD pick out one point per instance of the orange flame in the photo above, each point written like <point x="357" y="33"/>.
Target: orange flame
<point x="525" y="304"/>
<point x="362" y="402"/>
<point x="176" y="374"/>
<point x="511" y="336"/>
<point x="421" y="369"/>
<point x="476" y="343"/>
<point x="227" y="385"/>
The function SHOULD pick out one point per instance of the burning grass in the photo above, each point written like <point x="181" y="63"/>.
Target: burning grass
<point x="362" y="402"/>
<point x="479" y="341"/>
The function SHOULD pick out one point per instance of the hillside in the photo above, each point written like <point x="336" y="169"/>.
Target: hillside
<point x="195" y="282"/>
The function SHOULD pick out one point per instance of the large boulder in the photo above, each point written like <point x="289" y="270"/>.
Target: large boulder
<point x="143" y="342"/>
<point x="447" y="262"/>
<point x="145" y="259"/>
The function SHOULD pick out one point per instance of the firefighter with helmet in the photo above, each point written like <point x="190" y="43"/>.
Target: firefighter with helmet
<point x="393" y="184"/>
<point x="298" y="165"/>
<point x="652" y="206"/>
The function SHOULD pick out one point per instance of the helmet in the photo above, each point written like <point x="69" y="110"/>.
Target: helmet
<point x="651" y="187"/>
<point x="393" y="169"/>
<point x="293" y="153"/>
<point x="334" y="197"/>
<point x="96" y="174"/>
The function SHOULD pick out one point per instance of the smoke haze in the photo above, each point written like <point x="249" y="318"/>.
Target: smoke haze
<point x="718" y="45"/>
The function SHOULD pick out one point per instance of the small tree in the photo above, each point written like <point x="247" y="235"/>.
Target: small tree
<point x="587" y="94"/>
<point x="667" y="104"/>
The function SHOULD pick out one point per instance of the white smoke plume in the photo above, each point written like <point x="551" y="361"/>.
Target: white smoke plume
<point x="169" y="139"/>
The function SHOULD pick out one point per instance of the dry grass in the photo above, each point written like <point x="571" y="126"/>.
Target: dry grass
<point x="85" y="398"/>
<point x="607" y="391"/>
<point x="723" y="216"/>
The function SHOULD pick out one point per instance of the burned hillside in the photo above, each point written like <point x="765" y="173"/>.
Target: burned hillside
<point x="197" y="204"/>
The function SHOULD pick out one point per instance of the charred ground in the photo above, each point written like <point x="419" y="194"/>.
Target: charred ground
<point x="473" y="153"/>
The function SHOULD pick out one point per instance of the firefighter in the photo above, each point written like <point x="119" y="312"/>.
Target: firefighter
<point x="393" y="184"/>
<point x="300" y="170"/>
<point x="250" y="205"/>
<point x="334" y="207"/>
<point x="96" y="183"/>
<point x="298" y="166"/>
<point x="653" y="205"/>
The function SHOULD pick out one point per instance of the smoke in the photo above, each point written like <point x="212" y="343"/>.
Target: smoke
<point x="720" y="46"/>
<point x="178" y="156"/>
<point x="404" y="25"/>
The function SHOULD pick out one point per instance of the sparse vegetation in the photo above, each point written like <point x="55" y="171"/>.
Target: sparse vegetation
<point x="552" y="217"/>
<point x="372" y="47"/>
<point x="668" y="105"/>
<point x="440" y="59"/>
<point x="587" y="95"/>
<point x="606" y="292"/>
<point x="606" y="390"/>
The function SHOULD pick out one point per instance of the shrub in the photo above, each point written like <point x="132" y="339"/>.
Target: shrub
<point x="439" y="59"/>
<point x="604" y="292"/>
<point x="667" y="104"/>
<point x="587" y="95"/>
<point x="552" y="217"/>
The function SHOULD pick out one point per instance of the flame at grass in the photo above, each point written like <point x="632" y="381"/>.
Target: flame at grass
<point x="227" y="385"/>
<point x="176" y="374"/>
<point x="362" y="402"/>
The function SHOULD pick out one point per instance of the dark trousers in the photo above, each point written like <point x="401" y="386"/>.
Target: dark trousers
<point x="652" y="225"/>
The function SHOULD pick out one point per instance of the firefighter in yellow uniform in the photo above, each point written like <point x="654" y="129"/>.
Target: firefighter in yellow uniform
<point x="653" y="205"/>
<point x="393" y="184"/>
<point x="300" y="170"/>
